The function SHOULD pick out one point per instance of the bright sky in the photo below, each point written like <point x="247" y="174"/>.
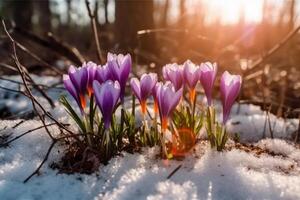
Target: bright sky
<point x="230" y="11"/>
<point x="227" y="11"/>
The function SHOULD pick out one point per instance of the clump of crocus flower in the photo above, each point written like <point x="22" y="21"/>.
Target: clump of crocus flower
<point x="120" y="67"/>
<point x="167" y="99"/>
<point x="99" y="90"/>
<point x="76" y="83"/>
<point x="107" y="96"/>
<point x="208" y="73"/>
<point x="174" y="74"/>
<point x="143" y="89"/>
<point x="94" y="86"/>
<point x="229" y="87"/>
<point x="191" y="74"/>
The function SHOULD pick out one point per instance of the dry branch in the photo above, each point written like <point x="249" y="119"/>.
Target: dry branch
<point x="92" y="16"/>
<point x="37" y="58"/>
<point x="57" y="46"/>
<point x="23" y="134"/>
<point x="256" y="65"/>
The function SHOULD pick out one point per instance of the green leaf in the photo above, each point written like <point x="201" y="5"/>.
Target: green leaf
<point x="72" y="113"/>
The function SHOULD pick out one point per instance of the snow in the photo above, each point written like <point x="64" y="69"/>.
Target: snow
<point x="204" y="173"/>
<point x="16" y="103"/>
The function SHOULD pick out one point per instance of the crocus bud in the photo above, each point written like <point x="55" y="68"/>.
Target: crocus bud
<point x="103" y="74"/>
<point x="143" y="88"/>
<point x="107" y="96"/>
<point x="167" y="99"/>
<point x="72" y="90"/>
<point x="79" y="79"/>
<point x="230" y="88"/>
<point x="174" y="74"/>
<point x="208" y="72"/>
<point x="91" y="69"/>
<point x="191" y="74"/>
<point x="120" y="67"/>
<point x="154" y="94"/>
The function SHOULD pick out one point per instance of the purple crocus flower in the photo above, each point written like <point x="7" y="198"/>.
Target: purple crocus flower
<point x="207" y="78"/>
<point x="71" y="89"/>
<point x="107" y="95"/>
<point x="143" y="88"/>
<point x="174" y="73"/>
<point x="167" y="99"/>
<point x="79" y="79"/>
<point x="120" y="67"/>
<point x="154" y="94"/>
<point x="191" y="73"/>
<point x="103" y="74"/>
<point x="230" y="88"/>
<point x="91" y="69"/>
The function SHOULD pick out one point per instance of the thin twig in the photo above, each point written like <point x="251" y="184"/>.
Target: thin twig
<point x="40" y="85"/>
<point x="298" y="132"/>
<point x="256" y="65"/>
<point x="94" y="28"/>
<point x="174" y="171"/>
<point x="25" y="133"/>
<point x="18" y="124"/>
<point x="37" y="58"/>
<point x="57" y="46"/>
<point x="12" y="90"/>
<point x="22" y="74"/>
<point x="8" y="67"/>
<point x="39" y="89"/>
<point x="269" y="122"/>
<point x="36" y="171"/>
<point x="32" y="98"/>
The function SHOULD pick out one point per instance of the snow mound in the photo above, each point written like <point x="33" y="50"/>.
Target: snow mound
<point x="204" y="174"/>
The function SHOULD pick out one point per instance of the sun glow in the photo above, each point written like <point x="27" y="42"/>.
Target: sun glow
<point x="231" y="11"/>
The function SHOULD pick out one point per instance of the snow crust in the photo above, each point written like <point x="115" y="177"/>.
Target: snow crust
<point x="204" y="173"/>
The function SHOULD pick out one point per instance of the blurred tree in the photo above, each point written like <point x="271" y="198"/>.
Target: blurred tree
<point x="132" y="16"/>
<point x="44" y="15"/>
<point x="183" y="14"/>
<point x="20" y="12"/>
<point x="69" y="10"/>
<point x="292" y="14"/>
<point x="164" y="19"/>
<point x="106" y="10"/>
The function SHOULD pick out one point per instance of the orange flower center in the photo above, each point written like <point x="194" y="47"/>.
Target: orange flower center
<point x="192" y="95"/>
<point x="164" y="124"/>
<point x="144" y="107"/>
<point x="82" y="101"/>
<point x="90" y="91"/>
<point x="155" y="106"/>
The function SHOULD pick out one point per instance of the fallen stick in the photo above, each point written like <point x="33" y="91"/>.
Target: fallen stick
<point x="174" y="171"/>
<point x="256" y="65"/>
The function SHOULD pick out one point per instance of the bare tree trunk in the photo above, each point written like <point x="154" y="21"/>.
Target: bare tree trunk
<point x="182" y="18"/>
<point x="22" y="13"/>
<point x="44" y="14"/>
<point x="164" y="19"/>
<point x="292" y="15"/>
<point x="69" y="10"/>
<point x="106" y="11"/>
<point x="132" y="16"/>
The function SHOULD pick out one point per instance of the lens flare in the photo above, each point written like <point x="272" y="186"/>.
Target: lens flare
<point x="183" y="140"/>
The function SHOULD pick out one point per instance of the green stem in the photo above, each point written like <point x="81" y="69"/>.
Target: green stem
<point x="193" y="114"/>
<point x="133" y="106"/>
<point x="92" y="113"/>
<point x="88" y="130"/>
